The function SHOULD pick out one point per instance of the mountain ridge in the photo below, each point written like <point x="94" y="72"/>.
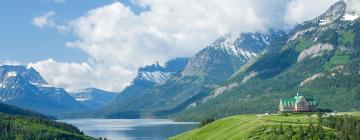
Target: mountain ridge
<point x="210" y="66"/>
<point x="318" y="60"/>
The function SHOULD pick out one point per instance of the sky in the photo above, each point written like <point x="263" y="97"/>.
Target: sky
<point x="77" y="44"/>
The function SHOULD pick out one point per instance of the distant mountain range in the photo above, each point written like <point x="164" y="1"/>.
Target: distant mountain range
<point x="93" y="98"/>
<point x="24" y="87"/>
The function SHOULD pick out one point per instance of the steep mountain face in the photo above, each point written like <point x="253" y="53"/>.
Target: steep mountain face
<point x="320" y="58"/>
<point x="224" y="56"/>
<point x="24" y="87"/>
<point x="147" y="78"/>
<point x="93" y="98"/>
<point x="207" y="68"/>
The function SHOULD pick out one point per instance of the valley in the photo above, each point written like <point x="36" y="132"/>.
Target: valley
<point x="151" y="92"/>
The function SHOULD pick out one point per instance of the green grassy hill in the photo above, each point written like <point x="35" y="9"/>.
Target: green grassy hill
<point x="293" y="126"/>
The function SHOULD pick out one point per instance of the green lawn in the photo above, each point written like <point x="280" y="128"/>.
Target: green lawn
<point x="247" y="126"/>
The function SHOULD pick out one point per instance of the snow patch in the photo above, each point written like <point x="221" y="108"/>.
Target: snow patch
<point x="315" y="51"/>
<point x="82" y="99"/>
<point x="265" y="39"/>
<point x="238" y="52"/>
<point x="11" y="74"/>
<point x="324" y="22"/>
<point x="156" y="76"/>
<point x="352" y="10"/>
<point x="40" y="85"/>
<point x="350" y="17"/>
<point x="312" y="78"/>
<point x="2" y="85"/>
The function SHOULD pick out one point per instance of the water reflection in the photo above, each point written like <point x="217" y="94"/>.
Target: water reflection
<point x="132" y="129"/>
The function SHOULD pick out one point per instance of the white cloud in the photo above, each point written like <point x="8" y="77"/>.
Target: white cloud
<point x="44" y="20"/>
<point x="353" y="6"/>
<point x="74" y="76"/>
<point x="118" y="41"/>
<point x="9" y="62"/>
<point x="302" y="10"/>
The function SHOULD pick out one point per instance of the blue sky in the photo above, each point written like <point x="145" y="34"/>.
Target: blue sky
<point x="21" y="41"/>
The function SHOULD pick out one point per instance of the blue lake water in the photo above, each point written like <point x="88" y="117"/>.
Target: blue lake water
<point x="131" y="129"/>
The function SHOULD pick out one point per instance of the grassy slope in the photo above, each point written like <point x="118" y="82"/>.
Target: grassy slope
<point x="244" y="126"/>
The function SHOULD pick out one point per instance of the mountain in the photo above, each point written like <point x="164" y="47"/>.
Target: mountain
<point x="319" y="58"/>
<point x="189" y="83"/>
<point x="24" y="87"/>
<point x="224" y="56"/>
<point x="93" y="98"/>
<point x="147" y="78"/>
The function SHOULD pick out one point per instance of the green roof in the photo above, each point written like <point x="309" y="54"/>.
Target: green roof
<point x="296" y="99"/>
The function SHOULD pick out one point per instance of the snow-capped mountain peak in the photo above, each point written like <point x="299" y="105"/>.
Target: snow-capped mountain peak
<point x="352" y="10"/>
<point x="23" y="86"/>
<point x="246" y="45"/>
<point x="335" y="12"/>
<point x="157" y="74"/>
<point x="28" y="74"/>
<point x="341" y="10"/>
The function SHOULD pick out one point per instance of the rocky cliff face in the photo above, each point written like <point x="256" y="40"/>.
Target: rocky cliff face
<point x="191" y="82"/>
<point x="224" y="56"/>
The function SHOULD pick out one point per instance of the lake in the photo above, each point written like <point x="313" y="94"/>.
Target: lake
<point x="131" y="129"/>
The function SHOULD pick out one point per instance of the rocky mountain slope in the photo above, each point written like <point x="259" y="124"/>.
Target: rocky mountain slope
<point x="192" y="82"/>
<point x="319" y="58"/>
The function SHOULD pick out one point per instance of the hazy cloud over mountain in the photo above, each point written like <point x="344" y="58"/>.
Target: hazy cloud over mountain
<point x="118" y="41"/>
